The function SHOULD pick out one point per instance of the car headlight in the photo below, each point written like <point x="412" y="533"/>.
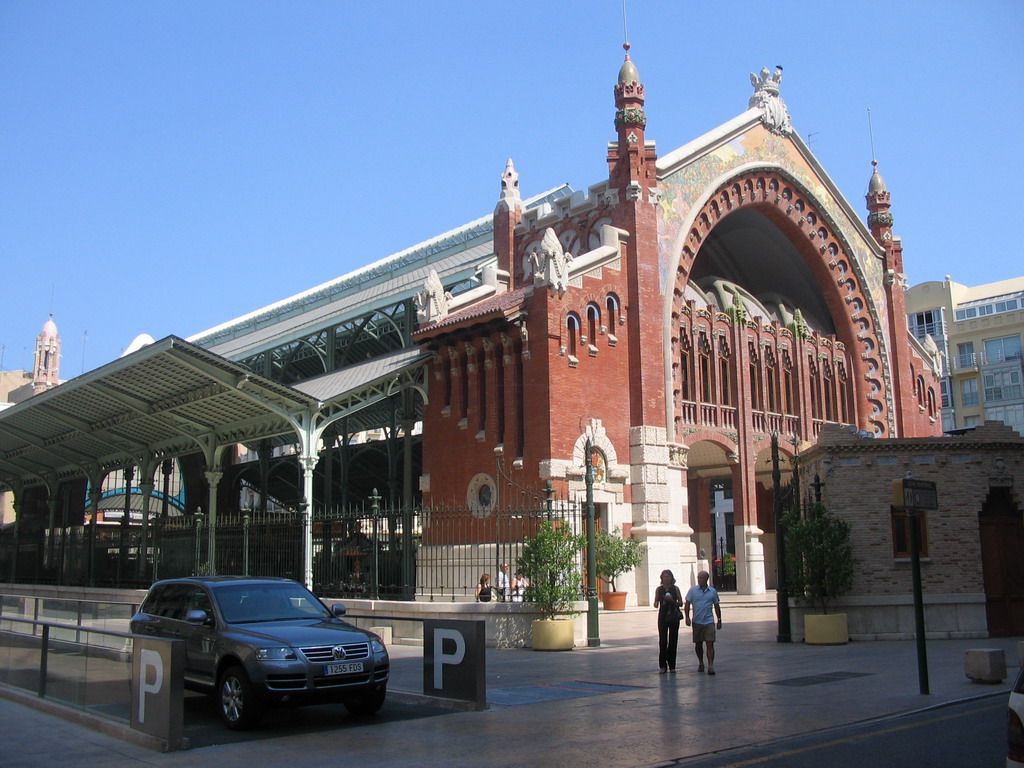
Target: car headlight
<point x="378" y="646"/>
<point x="275" y="654"/>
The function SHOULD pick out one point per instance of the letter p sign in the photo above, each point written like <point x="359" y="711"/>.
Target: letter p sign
<point x="454" y="660"/>
<point x="458" y="645"/>
<point x="157" y="688"/>
<point x="151" y="678"/>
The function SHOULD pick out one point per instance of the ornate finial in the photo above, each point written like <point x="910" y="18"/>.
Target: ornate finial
<point x="766" y="98"/>
<point x="510" y="183"/>
<point x="629" y="96"/>
<point x="625" y="47"/>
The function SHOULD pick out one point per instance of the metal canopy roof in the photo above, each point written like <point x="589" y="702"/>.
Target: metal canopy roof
<point x="168" y="399"/>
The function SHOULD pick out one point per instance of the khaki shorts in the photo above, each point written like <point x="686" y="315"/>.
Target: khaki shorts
<point x="703" y="633"/>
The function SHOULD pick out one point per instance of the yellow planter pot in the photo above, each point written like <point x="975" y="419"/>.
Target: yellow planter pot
<point x="826" y="629"/>
<point x="552" y="634"/>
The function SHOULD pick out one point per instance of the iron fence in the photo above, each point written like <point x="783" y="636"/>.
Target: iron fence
<point x="435" y="553"/>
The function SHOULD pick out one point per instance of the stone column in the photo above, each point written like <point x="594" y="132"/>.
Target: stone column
<point x="213" y="477"/>
<point x="657" y="521"/>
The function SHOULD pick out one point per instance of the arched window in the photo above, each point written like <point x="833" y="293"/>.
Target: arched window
<point x="706" y="394"/>
<point x="771" y="380"/>
<point x="593" y="322"/>
<point x="572" y="332"/>
<point x="612" y="302"/>
<point x="725" y="373"/>
<point x="685" y="366"/>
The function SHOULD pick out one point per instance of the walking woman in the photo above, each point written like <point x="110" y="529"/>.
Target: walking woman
<point x="668" y="600"/>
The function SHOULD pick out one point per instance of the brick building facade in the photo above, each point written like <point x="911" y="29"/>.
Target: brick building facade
<point x="675" y="316"/>
<point x="972" y="572"/>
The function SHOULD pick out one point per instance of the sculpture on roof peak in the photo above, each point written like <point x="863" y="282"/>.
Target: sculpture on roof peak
<point x="551" y="263"/>
<point x="774" y="114"/>
<point x="433" y="301"/>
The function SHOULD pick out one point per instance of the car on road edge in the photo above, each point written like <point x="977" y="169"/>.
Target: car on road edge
<point x="259" y="642"/>
<point x="1015" y="724"/>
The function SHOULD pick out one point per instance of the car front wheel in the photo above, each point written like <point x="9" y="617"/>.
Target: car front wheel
<point x="368" y="704"/>
<point x="239" y="707"/>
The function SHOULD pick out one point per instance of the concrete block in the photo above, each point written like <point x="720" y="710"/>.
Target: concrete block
<point x="985" y="665"/>
<point x="384" y="633"/>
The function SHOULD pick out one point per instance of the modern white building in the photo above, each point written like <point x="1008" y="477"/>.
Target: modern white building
<point x="978" y="332"/>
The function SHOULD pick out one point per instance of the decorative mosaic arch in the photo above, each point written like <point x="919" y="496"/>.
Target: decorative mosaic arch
<point x="825" y="251"/>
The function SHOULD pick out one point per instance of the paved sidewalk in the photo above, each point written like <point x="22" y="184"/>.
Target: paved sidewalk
<point x="604" y="706"/>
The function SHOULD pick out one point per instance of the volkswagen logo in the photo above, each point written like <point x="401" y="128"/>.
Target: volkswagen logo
<point x="338" y="652"/>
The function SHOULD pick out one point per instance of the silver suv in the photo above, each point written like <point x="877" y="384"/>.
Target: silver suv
<point x="259" y="642"/>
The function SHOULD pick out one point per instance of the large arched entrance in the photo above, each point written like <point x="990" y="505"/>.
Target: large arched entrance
<point x="772" y="333"/>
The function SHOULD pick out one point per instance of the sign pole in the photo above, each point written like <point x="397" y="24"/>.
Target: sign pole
<point x="915" y="565"/>
<point x="915" y="496"/>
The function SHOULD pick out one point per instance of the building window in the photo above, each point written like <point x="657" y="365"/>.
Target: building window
<point x="593" y="322"/>
<point x="927" y="323"/>
<point x="612" y="303"/>
<point x="1003" y="385"/>
<point x="771" y="384"/>
<point x="706" y="395"/>
<point x="965" y="355"/>
<point x="901" y="533"/>
<point x="969" y="392"/>
<point x="685" y="370"/>
<point x="947" y="396"/>
<point x="1011" y="415"/>
<point x="572" y="330"/>
<point x="1002" y="349"/>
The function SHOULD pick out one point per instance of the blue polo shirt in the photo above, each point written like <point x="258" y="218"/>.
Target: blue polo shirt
<point x="702" y="600"/>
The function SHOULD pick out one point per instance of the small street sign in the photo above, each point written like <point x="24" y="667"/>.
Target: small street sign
<point x="914" y="494"/>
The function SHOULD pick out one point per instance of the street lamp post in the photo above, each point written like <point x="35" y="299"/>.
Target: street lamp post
<point x="593" y="631"/>
<point x="781" y="588"/>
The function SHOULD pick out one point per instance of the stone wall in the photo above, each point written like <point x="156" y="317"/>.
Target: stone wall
<point x="856" y="476"/>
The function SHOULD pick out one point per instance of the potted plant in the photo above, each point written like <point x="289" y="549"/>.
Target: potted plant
<point x="615" y="556"/>
<point x="549" y="562"/>
<point x="820" y="568"/>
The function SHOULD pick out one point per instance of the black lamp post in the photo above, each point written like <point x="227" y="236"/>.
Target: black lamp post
<point x="781" y="589"/>
<point x="593" y="631"/>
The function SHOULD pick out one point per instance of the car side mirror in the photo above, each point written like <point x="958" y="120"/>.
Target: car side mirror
<point x="338" y="609"/>
<point x="198" y="618"/>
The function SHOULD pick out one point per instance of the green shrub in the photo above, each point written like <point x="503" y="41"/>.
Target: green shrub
<point x="549" y="562"/>
<point x="616" y="555"/>
<point x="819" y="556"/>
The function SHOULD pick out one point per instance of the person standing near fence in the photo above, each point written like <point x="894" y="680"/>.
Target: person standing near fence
<point x="667" y="600"/>
<point x="483" y="589"/>
<point x="519" y="585"/>
<point x="503" y="582"/>
<point x="703" y="597"/>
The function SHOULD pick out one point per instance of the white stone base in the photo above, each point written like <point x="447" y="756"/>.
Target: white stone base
<point x="985" y="665"/>
<point x="891" y="617"/>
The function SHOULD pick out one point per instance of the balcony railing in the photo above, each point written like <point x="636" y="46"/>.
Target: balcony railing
<point x="711" y="415"/>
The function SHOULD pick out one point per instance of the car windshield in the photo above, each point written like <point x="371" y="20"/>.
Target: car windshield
<point x="249" y="603"/>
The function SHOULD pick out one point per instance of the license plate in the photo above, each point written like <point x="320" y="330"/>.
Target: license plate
<point x="343" y="668"/>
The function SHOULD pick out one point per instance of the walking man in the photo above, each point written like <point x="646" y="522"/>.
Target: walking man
<point x="704" y="598"/>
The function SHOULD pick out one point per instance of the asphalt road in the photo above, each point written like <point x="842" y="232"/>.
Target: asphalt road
<point x="967" y="735"/>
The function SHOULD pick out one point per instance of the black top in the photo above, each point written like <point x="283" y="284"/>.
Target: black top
<point x="667" y="599"/>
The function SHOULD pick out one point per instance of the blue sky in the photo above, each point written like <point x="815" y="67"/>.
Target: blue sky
<point x="168" y="166"/>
